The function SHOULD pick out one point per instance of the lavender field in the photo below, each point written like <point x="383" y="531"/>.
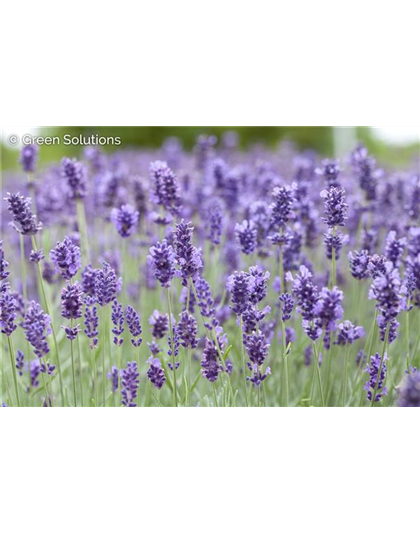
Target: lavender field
<point x="216" y="277"/>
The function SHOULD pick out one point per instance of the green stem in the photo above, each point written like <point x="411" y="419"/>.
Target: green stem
<point x="372" y="403"/>
<point x="243" y="360"/>
<point x="23" y="265"/>
<point x="345" y="370"/>
<point x="13" y="364"/>
<point x="41" y="285"/>
<point x="318" y="371"/>
<point x="334" y="266"/>
<point x="80" y="370"/>
<point x="175" y="393"/>
<point x="286" y="369"/>
<point x="72" y="368"/>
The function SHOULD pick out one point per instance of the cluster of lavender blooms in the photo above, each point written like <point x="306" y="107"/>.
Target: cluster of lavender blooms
<point x="218" y="250"/>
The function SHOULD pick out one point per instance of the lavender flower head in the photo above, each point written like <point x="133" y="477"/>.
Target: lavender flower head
<point x="159" y="323"/>
<point x="165" y="187"/>
<point x="74" y="173"/>
<point x="8" y="313"/>
<point x="129" y="384"/>
<point x="28" y="157"/>
<point x="114" y="375"/>
<point x="134" y="326"/>
<point x="305" y="292"/>
<point x="409" y="393"/>
<point x="105" y="284"/>
<point x="36" y="256"/>
<point x="210" y="364"/>
<point x="287" y="306"/>
<point x="257" y="349"/>
<point x="335" y="208"/>
<point x="328" y="309"/>
<point x="348" y="333"/>
<point x="37" y="327"/>
<point x="91" y="321"/>
<point x="4" y="273"/>
<point x="334" y="241"/>
<point x="281" y="208"/>
<point x="66" y="258"/>
<point x="162" y="262"/>
<point x="155" y="373"/>
<point x="188" y="256"/>
<point x="187" y="330"/>
<point x="258" y="281"/>
<point x="372" y="369"/>
<point x="20" y="362"/>
<point x="88" y="280"/>
<point x="214" y="221"/>
<point x="394" y="248"/>
<point x="125" y="219"/>
<point x="117" y="317"/>
<point x="330" y="170"/>
<point x="72" y="301"/>
<point x="359" y="264"/>
<point x="24" y="221"/>
<point x="246" y="235"/>
<point x="239" y="286"/>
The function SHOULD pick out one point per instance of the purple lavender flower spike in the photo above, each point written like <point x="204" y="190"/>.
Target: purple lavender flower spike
<point x="173" y="348"/>
<point x="117" y="317"/>
<point x="66" y="258"/>
<point x="258" y="283"/>
<point x="165" y="187"/>
<point x="409" y="392"/>
<point x="125" y="219"/>
<point x="348" y="333"/>
<point x="37" y="327"/>
<point x="35" y="370"/>
<point x="28" y="157"/>
<point x="36" y="256"/>
<point x="4" y="273"/>
<point x="129" y="384"/>
<point x="91" y="321"/>
<point x="330" y="171"/>
<point x="162" y="262"/>
<point x="8" y="313"/>
<point x="305" y="292"/>
<point x="328" y="311"/>
<point x="369" y="240"/>
<point x="394" y="248"/>
<point x="252" y="317"/>
<point x="287" y="306"/>
<point x="72" y="301"/>
<point x="365" y="168"/>
<point x="335" y="207"/>
<point x="214" y="221"/>
<point x="20" y="362"/>
<point x="74" y="173"/>
<point x="24" y="221"/>
<point x="205" y="302"/>
<point x="159" y="323"/>
<point x="281" y="208"/>
<point x="134" y="326"/>
<point x="188" y="256"/>
<point x="155" y="373"/>
<point x="372" y="369"/>
<point x="239" y="286"/>
<point x="359" y="264"/>
<point x="187" y="330"/>
<point x="114" y="376"/>
<point x="210" y="364"/>
<point x="246" y="235"/>
<point x="105" y="284"/>
<point x="88" y="280"/>
<point x="334" y="242"/>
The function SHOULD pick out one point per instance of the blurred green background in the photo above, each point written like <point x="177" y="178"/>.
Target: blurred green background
<point x="327" y="141"/>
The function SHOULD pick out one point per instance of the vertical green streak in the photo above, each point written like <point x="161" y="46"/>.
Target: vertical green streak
<point x="243" y="360"/>
<point x="318" y="371"/>
<point x="72" y="368"/>
<point x="23" y="265"/>
<point x="12" y="363"/>
<point x="80" y="370"/>
<point x="175" y="394"/>
<point x="345" y="370"/>
<point x="286" y="368"/>
<point x="103" y="328"/>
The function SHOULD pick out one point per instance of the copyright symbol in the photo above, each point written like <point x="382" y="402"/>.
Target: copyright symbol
<point x="13" y="139"/>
